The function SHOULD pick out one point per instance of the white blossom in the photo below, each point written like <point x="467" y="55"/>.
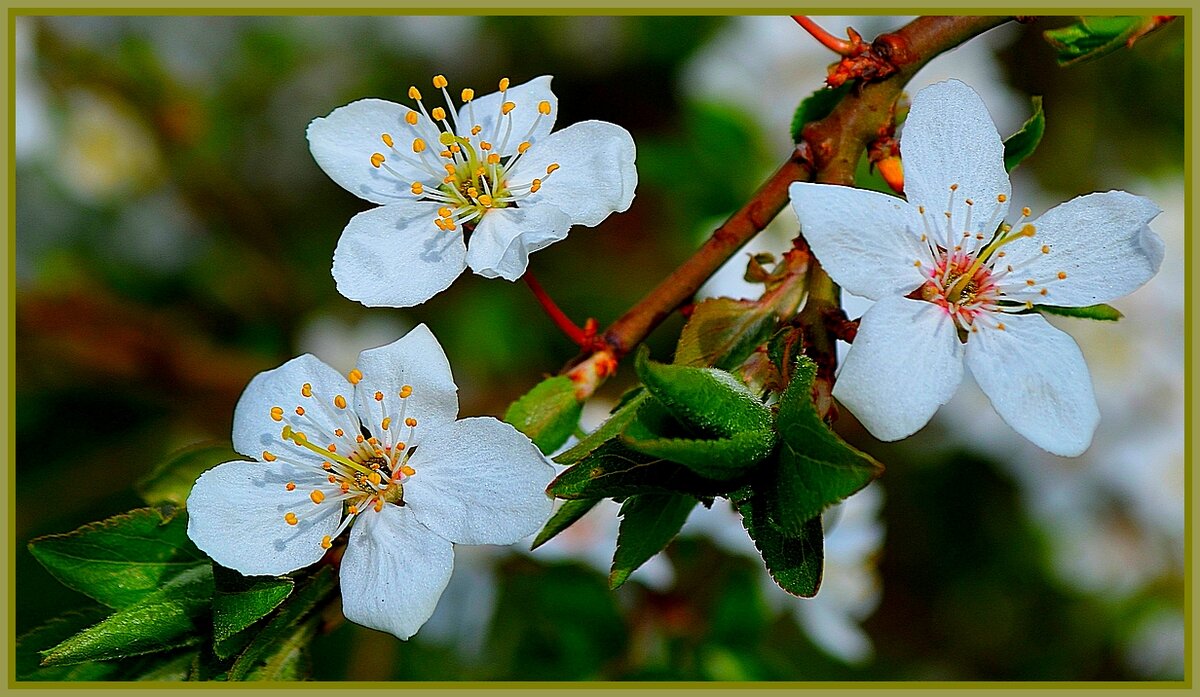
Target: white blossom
<point x="952" y="282"/>
<point x="379" y="449"/>
<point x="482" y="185"/>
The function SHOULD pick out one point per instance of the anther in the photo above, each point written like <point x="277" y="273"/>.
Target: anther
<point x="450" y="168"/>
<point x="338" y="432"/>
<point x="419" y="145"/>
<point x="299" y="411"/>
<point x="387" y="423"/>
<point x="468" y="94"/>
<point x="1000" y="326"/>
<point x="523" y="147"/>
<point x="277" y="413"/>
<point x="438" y="113"/>
<point x="405" y="391"/>
<point x="1062" y="275"/>
<point x="290" y="518"/>
<point x="1042" y="291"/>
<point x="326" y="542"/>
<point x="410" y="422"/>
<point x="269" y="456"/>
<point x="439" y="81"/>
<point x="1026" y="211"/>
<point x="378" y="505"/>
<point x="306" y="389"/>
<point x="408" y="471"/>
<point x="387" y="140"/>
<point x="290" y="486"/>
<point x="445" y="211"/>
<point x="339" y="402"/>
<point x="535" y="185"/>
<point x="1045" y="249"/>
<point x="352" y="510"/>
<point x="1030" y="282"/>
<point x="503" y="84"/>
<point x="375" y="478"/>
<point x="475" y="130"/>
<point x="317" y="496"/>
<point x="969" y="202"/>
<point x="917" y="263"/>
<point x="327" y="465"/>
<point x="377" y="159"/>
<point x="418" y="188"/>
<point x="378" y="396"/>
<point x="954" y="187"/>
<point x="507" y="107"/>
<point x="544" y="108"/>
<point x="1001" y="198"/>
<point x="411" y="117"/>
<point x="332" y="447"/>
<point x="493" y="159"/>
<point x="484" y="145"/>
<point x="414" y="93"/>
<point x="551" y="167"/>
<point x="485" y="201"/>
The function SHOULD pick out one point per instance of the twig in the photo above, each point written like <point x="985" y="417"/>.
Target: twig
<point x="585" y="338"/>
<point x="829" y="41"/>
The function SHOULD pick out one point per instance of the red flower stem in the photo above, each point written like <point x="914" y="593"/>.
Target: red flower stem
<point x="573" y="332"/>
<point x="839" y="46"/>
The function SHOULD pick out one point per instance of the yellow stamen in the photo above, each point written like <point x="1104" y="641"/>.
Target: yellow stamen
<point x="299" y="411"/>
<point x="468" y="94"/>
<point x="438" y="113"/>
<point x="507" y="108"/>
<point x="326" y="542"/>
<point x="551" y="167"/>
<point x="544" y="107"/>
<point x="410" y="422"/>
<point x="419" y="145"/>
<point x="269" y="456"/>
<point x="493" y="159"/>
<point x="503" y="84"/>
<point x="290" y="486"/>
<point x="378" y="396"/>
<point x="535" y="185"/>
<point x="405" y="391"/>
<point x="387" y="140"/>
<point x="387" y="423"/>
<point x="317" y="496"/>
<point x="414" y="93"/>
<point x="485" y="201"/>
<point x="1001" y="198"/>
<point x="377" y="159"/>
<point x="306" y="389"/>
<point x="277" y="413"/>
<point x="290" y="518"/>
<point x="523" y="147"/>
<point x="439" y="81"/>
<point x="1062" y="275"/>
<point x="408" y="471"/>
<point x="417" y="188"/>
<point x="412" y="117"/>
<point x="375" y="478"/>
<point x="339" y="402"/>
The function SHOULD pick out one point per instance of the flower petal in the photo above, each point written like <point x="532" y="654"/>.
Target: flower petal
<point x="236" y="516"/>
<point x="1101" y="243"/>
<point x="394" y="571"/>
<point x="868" y="242"/>
<point x="479" y="481"/>
<point x="394" y="256"/>
<point x="415" y="360"/>
<point x="527" y="123"/>
<point x="596" y="174"/>
<point x="1037" y="381"/>
<point x="343" y="142"/>
<point x="501" y="245"/>
<point x="905" y="362"/>
<point x="949" y="138"/>
<point x="255" y="430"/>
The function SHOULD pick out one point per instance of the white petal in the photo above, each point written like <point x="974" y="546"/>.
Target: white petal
<point x="393" y="572"/>
<point x="525" y="121"/>
<point x="394" y="256"/>
<point x="479" y="481"/>
<point x="1038" y="382"/>
<point x="236" y="516"/>
<point x="868" y="242"/>
<point x="1100" y="241"/>
<point x="254" y="431"/>
<point x="418" y="361"/>
<point x="501" y="245"/>
<point x="343" y="142"/>
<point x="596" y="177"/>
<point x="949" y="138"/>
<point x="905" y="362"/>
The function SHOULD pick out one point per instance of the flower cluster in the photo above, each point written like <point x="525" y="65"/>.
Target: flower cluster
<point x="380" y="450"/>
<point x="953" y="282"/>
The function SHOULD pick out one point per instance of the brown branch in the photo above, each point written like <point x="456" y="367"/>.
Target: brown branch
<point x="829" y="152"/>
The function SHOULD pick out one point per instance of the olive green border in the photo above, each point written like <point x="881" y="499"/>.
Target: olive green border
<point x="622" y="7"/>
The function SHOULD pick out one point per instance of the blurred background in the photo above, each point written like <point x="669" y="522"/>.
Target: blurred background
<point x="174" y="237"/>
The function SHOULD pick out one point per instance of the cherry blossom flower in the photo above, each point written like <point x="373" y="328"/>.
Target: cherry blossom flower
<point x="952" y="282"/>
<point x="380" y="450"/>
<point x="482" y="185"/>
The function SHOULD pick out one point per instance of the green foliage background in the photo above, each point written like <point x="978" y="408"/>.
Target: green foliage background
<point x="136" y="332"/>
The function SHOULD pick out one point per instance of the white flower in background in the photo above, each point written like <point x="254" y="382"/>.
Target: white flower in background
<point x="951" y="281"/>
<point x="483" y="185"/>
<point x="383" y="448"/>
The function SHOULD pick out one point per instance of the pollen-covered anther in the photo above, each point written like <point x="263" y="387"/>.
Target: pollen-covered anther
<point x="1045" y="249"/>
<point x="408" y="471"/>
<point x="277" y="413"/>
<point x="484" y="145"/>
<point x="306" y="389"/>
<point x="332" y="447"/>
<point x="410" y="422"/>
<point x="387" y="423"/>
<point x="438" y="113"/>
<point x="468" y="94"/>
<point x="419" y="145"/>
<point x="504" y="82"/>
<point x="339" y="432"/>
<point x="327" y="465"/>
<point x="1000" y="326"/>
<point x="299" y="411"/>
<point x="1062" y="275"/>
<point x="317" y="495"/>
<point x="523" y="147"/>
<point x="1026" y="211"/>
<point x="1030" y="282"/>
<point x="485" y="201"/>
<point x="417" y="188"/>
<point x="378" y="507"/>
<point x="535" y="185"/>
<point x="375" y="478"/>
<point x="550" y="168"/>
<point x="405" y="391"/>
<point x="378" y="396"/>
<point x="326" y="542"/>
<point x="493" y="159"/>
<point x="290" y="486"/>
<point x="507" y="107"/>
<point x="290" y="518"/>
<point x="1001" y="198"/>
<point x="544" y="108"/>
<point x="377" y="160"/>
<point x="387" y="140"/>
<point x="475" y="130"/>
<point x="439" y="81"/>
<point x="411" y="118"/>
<point x="269" y="456"/>
<point x="339" y="401"/>
<point x="352" y="510"/>
<point x="414" y="93"/>
<point x="954" y="187"/>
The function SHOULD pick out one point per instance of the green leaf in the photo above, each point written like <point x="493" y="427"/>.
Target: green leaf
<point x="165" y="619"/>
<point x="1105" y="313"/>
<point x="28" y="661"/>
<point x="723" y="332"/>
<point x="548" y="414"/>
<point x="239" y="602"/>
<point x="282" y="627"/>
<point x="175" y="667"/>
<point x="815" y="107"/>
<point x="610" y="429"/>
<point x="1021" y="144"/>
<point x="121" y="560"/>
<point x="795" y="562"/>
<point x="816" y="467"/>
<point x="171" y="481"/>
<point x="614" y="470"/>
<point x="563" y="518"/>
<point x="1093" y="37"/>
<point x="709" y="400"/>
<point x="648" y="523"/>
<point x="656" y="433"/>
<point x="290" y="659"/>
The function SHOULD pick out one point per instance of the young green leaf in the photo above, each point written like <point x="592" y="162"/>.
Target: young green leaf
<point x="816" y="467"/>
<point x="171" y="481"/>
<point x="1105" y="313"/>
<point x="610" y="429"/>
<point x="290" y="659"/>
<point x="815" y="107"/>
<point x="656" y="433"/>
<point x="795" y="562"/>
<point x="282" y="626"/>
<point x="648" y="523"/>
<point x="548" y="414"/>
<point x="121" y="560"/>
<point x="723" y="332"/>
<point x="706" y="399"/>
<point x="1021" y="144"/>
<point x="563" y="518"/>
<point x="28" y="661"/>
<point x="239" y="602"/>
<point x="614" y="470"/>
<point x="165" y="619"/>
<point x="1093" y="37"/>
